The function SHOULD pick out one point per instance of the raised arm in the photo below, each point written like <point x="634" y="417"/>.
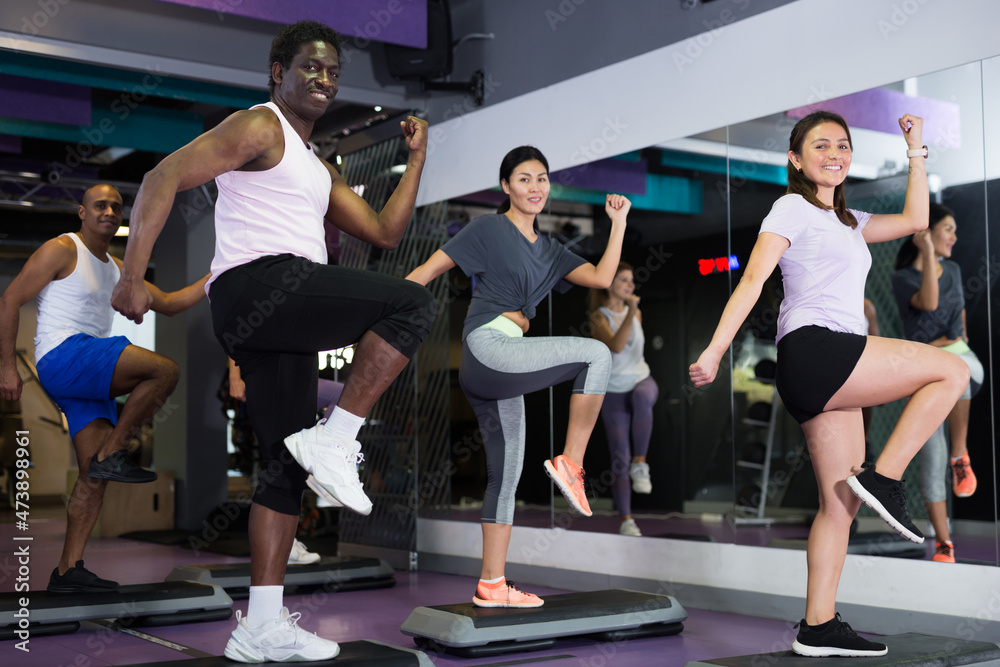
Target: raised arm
<point x="244" y="137"/>
<point x="601" y="330"/>
<point x="766" y="253"/>
<point x="171" y="303"/>
<point x="926" y="298"/>
<point x="352" y="214"/>
<point x="435" y="265"/>
<point x="600" y="276"/>
<point x="54" y="260"/>
<point x="916" y="208"/>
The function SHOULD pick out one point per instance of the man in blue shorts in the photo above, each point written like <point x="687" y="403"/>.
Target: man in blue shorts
<point x="83" y="369"/>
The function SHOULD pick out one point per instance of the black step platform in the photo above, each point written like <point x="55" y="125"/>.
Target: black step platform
<point x="165" y="603"/>
<point x="471" y="631"/>
<point x="365" y="653"/>
<point x="867" y="544"/>
<point x="911" y="650"/>
<point x="333" y="573"/>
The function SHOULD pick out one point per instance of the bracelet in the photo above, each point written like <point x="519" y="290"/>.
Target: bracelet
<point x="918" y="152"/>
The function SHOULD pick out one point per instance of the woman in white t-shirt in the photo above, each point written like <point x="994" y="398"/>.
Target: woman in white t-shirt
<point x="827" y="368"/>
<point x="627" y="411"/>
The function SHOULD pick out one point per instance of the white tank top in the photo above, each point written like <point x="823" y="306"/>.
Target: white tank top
<point x="279" y="210"/>
<point x="628" y="367"/>
<point x="78" y="303"/>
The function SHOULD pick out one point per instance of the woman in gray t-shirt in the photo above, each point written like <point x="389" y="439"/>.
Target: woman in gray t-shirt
<point x="931" y="302"/>
<point x="514" y="267"/>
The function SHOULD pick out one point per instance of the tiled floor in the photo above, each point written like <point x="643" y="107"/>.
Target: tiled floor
<point x="373" y="614"/>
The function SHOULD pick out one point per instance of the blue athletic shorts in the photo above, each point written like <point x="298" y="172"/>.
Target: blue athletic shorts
<point x="77" y="375"/>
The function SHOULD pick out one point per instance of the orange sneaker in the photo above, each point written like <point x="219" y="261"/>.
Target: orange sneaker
<point x="504" y="594"/>
<point x="944" y="552"/>
<point x="963" y="479"/>
<point x="568" y="476"/>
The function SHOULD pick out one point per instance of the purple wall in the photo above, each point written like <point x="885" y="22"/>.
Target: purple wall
<point x="50" y="101"/>
<point x="401" y="22"/>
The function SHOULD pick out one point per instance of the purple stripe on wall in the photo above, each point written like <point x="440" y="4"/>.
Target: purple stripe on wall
<point x="10" y="143"/>
<point x="32" y="99"/>
<point x="402" y="22"/>
<point x="622" y="176"/>
<point x="880" y="109"/>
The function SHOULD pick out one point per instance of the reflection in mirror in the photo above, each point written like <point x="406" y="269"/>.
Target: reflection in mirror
<point x="775" y="500"/>
<point x="676" y="243"/>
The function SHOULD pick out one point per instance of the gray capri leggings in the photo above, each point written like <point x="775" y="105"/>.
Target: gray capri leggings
<point x="935" y="454"/>
<point x="495" y="373"/>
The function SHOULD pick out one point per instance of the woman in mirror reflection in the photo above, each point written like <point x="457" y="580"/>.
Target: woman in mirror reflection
<point x="828" y="369"/>
<point x="627" y="412"/>
<point x="931" y="302"/>
<point x="514" y="267"/>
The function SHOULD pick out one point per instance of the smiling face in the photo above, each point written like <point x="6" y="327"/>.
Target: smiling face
<point x="825" y="158"/>
<point x="528" y="187"/>
<point x="101" y="211"/>
<point x="310" y="83"/>
<point x="944" y="234"/>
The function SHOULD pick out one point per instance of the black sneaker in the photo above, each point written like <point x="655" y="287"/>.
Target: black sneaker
<point x="79" y="579"/>
<point x="119" y="468"/>
<point x="833" y="638"/>
<point x="889" y="500"/>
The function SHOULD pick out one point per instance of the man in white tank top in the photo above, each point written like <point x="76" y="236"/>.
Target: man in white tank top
<point x="276" y="302"/>
<point x="83" y="369"/>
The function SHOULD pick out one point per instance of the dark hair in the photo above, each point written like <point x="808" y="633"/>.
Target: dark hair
<point x="510" y="161"/>
<point x="908" y="252"/>
<point x="290" y="39"/>
<point x="598" y="297"/>
<point x="799" y="183"/>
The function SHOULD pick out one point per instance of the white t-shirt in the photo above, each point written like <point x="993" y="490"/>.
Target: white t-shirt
<point x="824" y="269"/>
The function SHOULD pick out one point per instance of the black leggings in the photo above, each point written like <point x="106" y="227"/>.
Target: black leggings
<point x="273" y="315"/>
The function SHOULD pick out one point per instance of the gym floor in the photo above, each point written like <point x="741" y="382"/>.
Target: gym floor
<point x="345" y="616"/>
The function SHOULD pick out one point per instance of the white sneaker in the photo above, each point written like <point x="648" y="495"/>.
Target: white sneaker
<point x="323" y="497"/>
<point x="334" y="467"/>
<point x="279" y="640"/>
<point x="639" y="472"/>
<point x="300" y="555"/>
<point x="628" y="527"/>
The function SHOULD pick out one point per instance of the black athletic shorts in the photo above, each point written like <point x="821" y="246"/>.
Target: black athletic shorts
<point x="813" y="363"/>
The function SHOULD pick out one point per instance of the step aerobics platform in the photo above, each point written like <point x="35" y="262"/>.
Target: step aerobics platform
<point x="471" y="631"/>
<point x="165" y="603"/>
<point x="365" y="653"/>
<point x="335" y="573"/>
<point x="911" y="650"/>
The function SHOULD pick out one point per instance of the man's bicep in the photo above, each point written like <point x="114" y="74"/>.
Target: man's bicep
<point x="236" y="141"/>
<point x="348" y="211"/>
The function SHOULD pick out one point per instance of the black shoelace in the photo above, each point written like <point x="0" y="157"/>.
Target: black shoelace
<point x="898" y="496"/>
<point x="843" y="628"/>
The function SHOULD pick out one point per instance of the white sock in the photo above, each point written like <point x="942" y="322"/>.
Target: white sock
<point x="493" y="581"/>
<point x="265" y="604"/>
<point x="342" y="425"/>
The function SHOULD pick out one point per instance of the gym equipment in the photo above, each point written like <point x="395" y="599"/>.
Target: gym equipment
<point x="352" y="654"/>
<point x="911" y="649"/>
<point x="470" y="631"/>
<point x="166" y="603"/>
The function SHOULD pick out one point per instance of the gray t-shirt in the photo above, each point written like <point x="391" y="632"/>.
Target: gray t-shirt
<point x="922" y="325"/>
<point x="510" y="272"/>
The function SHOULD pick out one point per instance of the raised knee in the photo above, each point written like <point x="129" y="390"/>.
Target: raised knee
<point x="171" y="375"/>
<point x="960" y="372"/>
